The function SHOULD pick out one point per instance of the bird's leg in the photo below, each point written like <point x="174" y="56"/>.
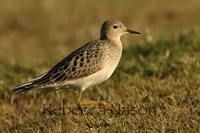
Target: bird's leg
<point x="78" y="102"/>
<point x="102" y="103"/>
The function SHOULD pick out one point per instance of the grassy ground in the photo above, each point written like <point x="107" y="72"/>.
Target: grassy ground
<point x="156" y="84"/>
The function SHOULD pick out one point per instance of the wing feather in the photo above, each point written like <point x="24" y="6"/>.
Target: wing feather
<point x="79" y="64"/>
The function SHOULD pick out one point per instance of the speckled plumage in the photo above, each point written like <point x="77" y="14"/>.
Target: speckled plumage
<point x="89" y="65"/>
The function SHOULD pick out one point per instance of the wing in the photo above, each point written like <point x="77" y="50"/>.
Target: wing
<point x="81" y="63"/>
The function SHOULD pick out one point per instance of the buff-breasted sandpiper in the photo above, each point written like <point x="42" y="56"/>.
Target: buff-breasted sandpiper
<point x="89" y="65"/>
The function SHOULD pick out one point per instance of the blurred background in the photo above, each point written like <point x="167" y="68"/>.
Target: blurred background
<point x="159" y="67"/>
<point x="32" y="32"/>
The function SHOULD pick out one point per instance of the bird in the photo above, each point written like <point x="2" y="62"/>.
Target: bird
<point x="87" y="66"/>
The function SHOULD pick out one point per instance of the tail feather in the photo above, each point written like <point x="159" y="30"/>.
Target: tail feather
<point x="23" y="89"/>
<point x="32" y="84"/>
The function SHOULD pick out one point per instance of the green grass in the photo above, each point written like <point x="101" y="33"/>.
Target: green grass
<point x="161" y="74"/>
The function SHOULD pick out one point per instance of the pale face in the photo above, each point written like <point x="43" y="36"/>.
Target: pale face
<point x="113" y="29"/>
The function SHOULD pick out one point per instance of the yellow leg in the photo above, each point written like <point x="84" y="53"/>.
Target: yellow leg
<point x="79" y="105"/>
<point x="102" y="103"/>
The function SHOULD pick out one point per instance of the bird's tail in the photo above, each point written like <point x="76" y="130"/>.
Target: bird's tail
<point x="24" y="87"/>
<point x="30" y="85"/>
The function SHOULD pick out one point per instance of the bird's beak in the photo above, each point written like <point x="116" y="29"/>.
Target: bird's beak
<point x="133" y="32"/>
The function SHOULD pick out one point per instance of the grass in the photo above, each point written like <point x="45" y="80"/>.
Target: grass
<point x="161" y="76"/>
<point x="156" y="84"/>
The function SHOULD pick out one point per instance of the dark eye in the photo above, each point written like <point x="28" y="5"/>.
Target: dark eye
<point x="115" y="27"/>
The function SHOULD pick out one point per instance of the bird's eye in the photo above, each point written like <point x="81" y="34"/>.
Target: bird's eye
<point x="115" y="27"/>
